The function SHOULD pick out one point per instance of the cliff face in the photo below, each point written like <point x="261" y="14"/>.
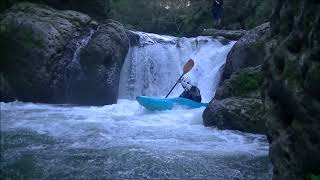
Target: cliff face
<point x="292" y="90"/>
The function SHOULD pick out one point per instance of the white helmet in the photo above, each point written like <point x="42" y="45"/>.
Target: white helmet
<point x="186" y="83"/>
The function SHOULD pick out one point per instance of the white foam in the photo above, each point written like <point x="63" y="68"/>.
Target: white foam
<point x="125" y="124"/>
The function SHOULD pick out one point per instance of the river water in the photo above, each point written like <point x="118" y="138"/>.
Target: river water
<point x="125" y="141"/>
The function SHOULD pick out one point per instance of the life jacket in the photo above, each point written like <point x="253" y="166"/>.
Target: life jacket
<point x="193" y="94"/>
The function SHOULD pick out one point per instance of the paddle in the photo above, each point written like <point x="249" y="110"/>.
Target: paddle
<point x="187" y="67"/>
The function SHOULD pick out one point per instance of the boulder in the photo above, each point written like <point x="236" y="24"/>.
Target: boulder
<point x="30" y="37"/>
<point x="237" y="104"/>
<point x="244" y="83"/>
<point x="292" y="90"/>
<point x="54" y="56"/>
<point x="249" y="51"/>
<point x="243" y="114"/>
<point x="100" y="66"/>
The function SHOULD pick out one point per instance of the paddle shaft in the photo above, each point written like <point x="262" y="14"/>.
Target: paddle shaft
<point x="174" y="86"/>
<point x="186" y="68"/>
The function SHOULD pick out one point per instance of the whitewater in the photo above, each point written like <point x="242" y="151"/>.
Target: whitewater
<point x="125" y="141"/>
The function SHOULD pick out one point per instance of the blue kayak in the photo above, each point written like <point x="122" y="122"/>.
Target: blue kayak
<point x="159" y="104"/>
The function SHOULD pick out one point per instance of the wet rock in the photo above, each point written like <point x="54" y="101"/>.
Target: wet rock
<point x="243" y="114"/>
<point x="40" y="47"/>
<point x="101" y="62"/>
<point x="30" y="37"/>
<point x="5" y="90"/>
<point x="237" y="104"/>
<point x="229" y="34"/>
<point x="133" y="38"/>
<point x="249" y="51"/>
<point x="244" y="83"/>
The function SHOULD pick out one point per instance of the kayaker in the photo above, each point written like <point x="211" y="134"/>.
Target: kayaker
<point x="190" y="91"/>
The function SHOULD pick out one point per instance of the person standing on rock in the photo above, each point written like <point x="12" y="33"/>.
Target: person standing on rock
<point x="190" y="92"/>
<point x="217" y="12"/>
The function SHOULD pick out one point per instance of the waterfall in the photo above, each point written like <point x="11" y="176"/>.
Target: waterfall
<point x="73" y="71"/>
<point x="152" y="67"/>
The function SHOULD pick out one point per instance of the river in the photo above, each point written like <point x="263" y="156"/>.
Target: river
<point x="125" y="141"/>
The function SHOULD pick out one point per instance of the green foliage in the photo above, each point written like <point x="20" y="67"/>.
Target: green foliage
<point x="175" y="17"/>
<point x="290" y="71"/>
<point x="185" y="17"/>
<point x="314" y="177"/>
<point x="163" y="16"/>
<point x="245" y="83"/>
<point x="246" y="14"/>
<point x="95" y="8"/>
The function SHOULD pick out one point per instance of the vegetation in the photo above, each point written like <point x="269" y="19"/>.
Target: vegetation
<point x="186" y="17"/>
<point x="178" y="17"/>
<point x="246" y="82"/>
<point x="313" y="177"/>
<point x="174" y="17"/>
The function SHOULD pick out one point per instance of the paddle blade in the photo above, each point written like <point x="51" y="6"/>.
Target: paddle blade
<point x="188" y="66"/>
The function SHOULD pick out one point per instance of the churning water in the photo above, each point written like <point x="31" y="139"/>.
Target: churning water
<point x="125" y="141"/>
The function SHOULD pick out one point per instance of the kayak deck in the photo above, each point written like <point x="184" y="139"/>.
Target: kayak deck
<point x="159" y="104"/>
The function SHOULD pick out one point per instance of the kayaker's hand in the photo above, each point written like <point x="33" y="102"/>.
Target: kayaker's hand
<point x="179" y="80"/>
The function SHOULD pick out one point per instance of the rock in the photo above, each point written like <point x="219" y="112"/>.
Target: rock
<point x="239" y="93"/>
<point x="101" y="62"/>
<point x="292" y="90"/>
<point x="244" y="83"/>
<point x="133" y="38"/>
<point x="249" y="51"/>
<point x="5" y="90"/>
<point x="237" y="104"/>
<point x="48" y="56"/>
<point x="229" y="34"/>
<point x="61" y="81"/>
<point x="243" y="114"/>
<point x="30" y="37"/>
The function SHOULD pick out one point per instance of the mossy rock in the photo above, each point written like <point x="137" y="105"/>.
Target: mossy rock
<point x="243" y="114"/>
<point x="244" y="83"/>
<point x="32" y="38"/>
<point x="29" y="40"/>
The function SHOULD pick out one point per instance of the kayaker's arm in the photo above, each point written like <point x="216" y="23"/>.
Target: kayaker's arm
<point x="187" y="67"/>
